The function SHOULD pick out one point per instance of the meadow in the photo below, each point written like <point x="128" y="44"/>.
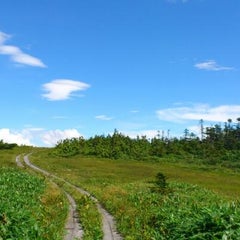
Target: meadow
<point x="199" y="202"/>
<point x="195" y="201"/>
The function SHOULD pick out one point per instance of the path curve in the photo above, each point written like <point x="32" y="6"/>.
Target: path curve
<point x="18" y="162"/>
<point x="108" y="222"/>
<point x="72" y="226"/>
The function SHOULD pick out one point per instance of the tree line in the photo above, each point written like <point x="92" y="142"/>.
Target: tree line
<point x="215" y="144"/>
<point x="4" y="145"/>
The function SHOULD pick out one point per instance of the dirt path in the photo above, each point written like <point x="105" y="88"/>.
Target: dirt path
<point x="19" y="163"/>
<point x="72" y="226"/>
<point x="108" y="223"/>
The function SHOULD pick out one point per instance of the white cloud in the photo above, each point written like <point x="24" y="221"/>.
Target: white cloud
<point x="9" y="136"/>
<point x="16" y="54"/>
<point x="61" y="89"/>
<point x="200" y="111"/>
<point x="3" y="37"/>
<point x="37" y="136"/>
<point x="50" y="138"/>
<point x="211" y="65"/>
<point x="103" y="117"/>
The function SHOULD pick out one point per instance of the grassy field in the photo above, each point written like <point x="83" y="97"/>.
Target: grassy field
<point x="30" y="207"/>
<point x="201" y="202"/>
<point x="94" y="173"/>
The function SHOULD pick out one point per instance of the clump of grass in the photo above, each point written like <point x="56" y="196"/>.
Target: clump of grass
<point x="90" y="218"/>
<point x="54" y="210"/>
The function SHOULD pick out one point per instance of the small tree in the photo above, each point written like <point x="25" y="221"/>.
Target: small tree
<point x="160" y="183"/>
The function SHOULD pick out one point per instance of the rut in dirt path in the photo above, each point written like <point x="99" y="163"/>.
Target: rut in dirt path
<point x="72" y="226"/>
<point x="108" y="222"/>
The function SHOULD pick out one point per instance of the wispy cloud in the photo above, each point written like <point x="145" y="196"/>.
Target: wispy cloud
<point x="103" y="118"/>
<point x="134" y="111"/>
<point x="176" y="1"/>
<point x="199" y="111"/>
<point x="59" y="117"/>
<point x="61" y="89"/>
<point x="16" y="54"/>
<point x="211" y="65"/>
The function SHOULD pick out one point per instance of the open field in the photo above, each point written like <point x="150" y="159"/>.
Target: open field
<point x="95" y="173"/>
<point x="199" y="202"/>
<point x="125" y="188"/>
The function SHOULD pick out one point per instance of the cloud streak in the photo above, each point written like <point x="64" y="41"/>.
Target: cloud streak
<point x="199" y="111"/>
<point x="62" y="89"/>
<point x="176" y="1"/>
<point x="211" y="65"/>
<point x="103" y="118"/>
<point x="16" y="54"/>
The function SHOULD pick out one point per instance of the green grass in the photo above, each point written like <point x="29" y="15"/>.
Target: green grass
<point x="30" y="207"/>
<point x="96" y="173"/>
<point x="185" y="212"/>
<point x="27" y="209"/>
<point x="198" y="194"/>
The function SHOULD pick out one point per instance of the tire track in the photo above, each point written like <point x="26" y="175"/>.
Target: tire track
<point x="72" y="226"/>
<point x="108" y="222"/>
<point x="18" y="162"/>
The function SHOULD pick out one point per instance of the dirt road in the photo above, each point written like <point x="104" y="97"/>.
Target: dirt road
<point x="108" y="223"/>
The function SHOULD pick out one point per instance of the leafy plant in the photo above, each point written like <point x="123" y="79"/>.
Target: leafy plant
<point x="28" y="207"/>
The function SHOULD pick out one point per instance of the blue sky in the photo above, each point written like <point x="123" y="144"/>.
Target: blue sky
<point x="72" y="68"/>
